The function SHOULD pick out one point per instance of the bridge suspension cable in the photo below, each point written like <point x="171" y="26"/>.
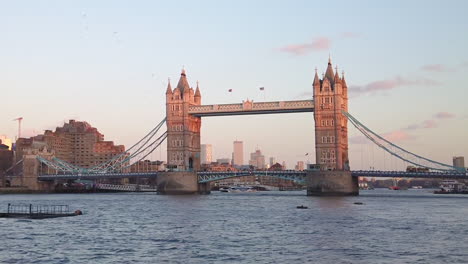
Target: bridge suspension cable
<point x="397" y="151"/>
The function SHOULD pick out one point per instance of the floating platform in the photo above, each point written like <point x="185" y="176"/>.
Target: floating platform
<point x="30" y="211"/>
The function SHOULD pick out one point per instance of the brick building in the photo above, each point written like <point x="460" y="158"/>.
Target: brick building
<point x="75" y="142"/>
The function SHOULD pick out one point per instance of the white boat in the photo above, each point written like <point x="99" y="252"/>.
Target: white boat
<point x="238" y="189"/>
<point x="452" y="186"/>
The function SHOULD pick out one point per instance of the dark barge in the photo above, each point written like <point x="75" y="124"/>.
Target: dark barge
<point x="30" y="211"/>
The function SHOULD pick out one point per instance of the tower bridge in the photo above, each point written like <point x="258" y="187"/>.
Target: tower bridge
<point x="184" y="113"/>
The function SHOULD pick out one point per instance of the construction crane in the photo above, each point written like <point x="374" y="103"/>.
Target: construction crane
<point x="19" y="125"/>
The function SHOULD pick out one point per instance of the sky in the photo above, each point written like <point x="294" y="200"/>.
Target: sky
<point x="108" y="62"/>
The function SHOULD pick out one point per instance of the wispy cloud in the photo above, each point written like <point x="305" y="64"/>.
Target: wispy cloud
<point x="398" y="136"/>
<point x="348" y="34"/>
<point x="431" y="123"/>
<point x="393" y="136"/>
<point x="436" y="68"/>
<point x="403" y="135"/>
<point x="444" y="115"/>
<point x="385" y="85"/>
<point x="424" y="124"/>
<point x="317" y="44"/>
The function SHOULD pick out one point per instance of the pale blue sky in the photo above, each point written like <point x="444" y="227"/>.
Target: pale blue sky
<point x="107" y="62"/>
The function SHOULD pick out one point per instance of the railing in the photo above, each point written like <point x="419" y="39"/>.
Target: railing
<point x="296" y="176"/>
<point x="254" y="107"/>
<point x="37" y="209"/>
<point x="405" y="174"/>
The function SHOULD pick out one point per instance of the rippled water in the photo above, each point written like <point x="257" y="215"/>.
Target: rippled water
<point x="411" y="226"/>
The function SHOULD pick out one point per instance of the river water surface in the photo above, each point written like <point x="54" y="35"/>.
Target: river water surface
<point x="413" y="226"/>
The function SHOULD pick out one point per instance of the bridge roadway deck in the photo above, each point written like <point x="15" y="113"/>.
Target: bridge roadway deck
<point x="298" y="176"/>
<point x="252" y="108"/>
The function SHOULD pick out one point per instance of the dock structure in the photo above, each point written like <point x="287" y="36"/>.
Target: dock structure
<point x="31" y="211"/>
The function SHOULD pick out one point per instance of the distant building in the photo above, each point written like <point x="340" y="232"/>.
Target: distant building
<point x="274" y="181"/>
<point x="272" y="161"/>
<point x="257" y="159"/>
<point x="459" y="162"/>
<point x="6" y="161"/>
<point x="36" y="142"/>
<point x="238" y="154"/>
<point x="206" y="153"/>
<point x="284" y="165"/>
<point x="6" y="141"/>
<point x="299" y="166"/>
<point x="224" y="161"/>
<point x="147" y="166"/>
<point x="75" y="142"/>
<point x="276" y="167"/>
<point x="217" y="166"/>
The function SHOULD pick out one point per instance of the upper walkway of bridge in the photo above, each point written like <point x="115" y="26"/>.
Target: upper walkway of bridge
<point x="252" y="108"/>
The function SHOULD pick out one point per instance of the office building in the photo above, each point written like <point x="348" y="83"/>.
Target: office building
<point x="206" y="154"/>
<point x="257" y="159"/>
<point x="272" y="161"/>
<point x="459" y="162"/>
<point x="238" y="154"/>
<point x="299" y="166"/>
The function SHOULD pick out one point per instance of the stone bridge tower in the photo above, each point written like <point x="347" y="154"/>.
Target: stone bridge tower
<point x="331" y="126"/>
<point x="183" y="130"/>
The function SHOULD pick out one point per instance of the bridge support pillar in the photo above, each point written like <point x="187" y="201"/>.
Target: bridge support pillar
<point x="331" y="183"/>
<point x="204" y="188"/>
<point x="180" y="182"/>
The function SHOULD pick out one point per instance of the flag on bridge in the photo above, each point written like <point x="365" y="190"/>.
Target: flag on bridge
<point x="262" y="88"/>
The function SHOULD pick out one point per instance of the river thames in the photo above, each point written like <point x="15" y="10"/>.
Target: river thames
<point x="413" y="226"/>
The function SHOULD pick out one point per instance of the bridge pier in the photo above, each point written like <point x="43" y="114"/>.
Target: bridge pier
<point x="331" y="183"/>
<point x="180" y="182"/>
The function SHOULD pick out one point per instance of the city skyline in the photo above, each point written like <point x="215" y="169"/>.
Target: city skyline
<point x="77" y="67"/>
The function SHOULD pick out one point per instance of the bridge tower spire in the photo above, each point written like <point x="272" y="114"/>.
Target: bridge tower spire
<point x="183" y="130"/>
<point x="331" y="132"/>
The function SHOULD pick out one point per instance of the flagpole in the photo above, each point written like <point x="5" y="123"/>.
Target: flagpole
<point x="262" y="89"/>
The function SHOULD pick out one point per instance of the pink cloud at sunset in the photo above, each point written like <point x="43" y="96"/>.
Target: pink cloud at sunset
<point x="444" y="115"/>
<point x="402" y="135"/>
<point x="397" y="136"/>
<point x="394" y="137"/>
<point x="385" y="85"/>
<point x="318" y="44"/>
<point x="436" y="68"/>
<point x="431" y="123"/>
<point x="425" y="124"/>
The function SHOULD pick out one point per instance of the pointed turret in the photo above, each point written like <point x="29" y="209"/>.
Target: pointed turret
<point x="197" y="97"/>
<point x="343" y="81"/>
<point x="316" y="78"/>
<point x="169" y="88"/>
<point x="197" y="91"/>
<point x="337" y="77"/>
<point x="329" y="73"/>
<point x="183" y="85"/>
